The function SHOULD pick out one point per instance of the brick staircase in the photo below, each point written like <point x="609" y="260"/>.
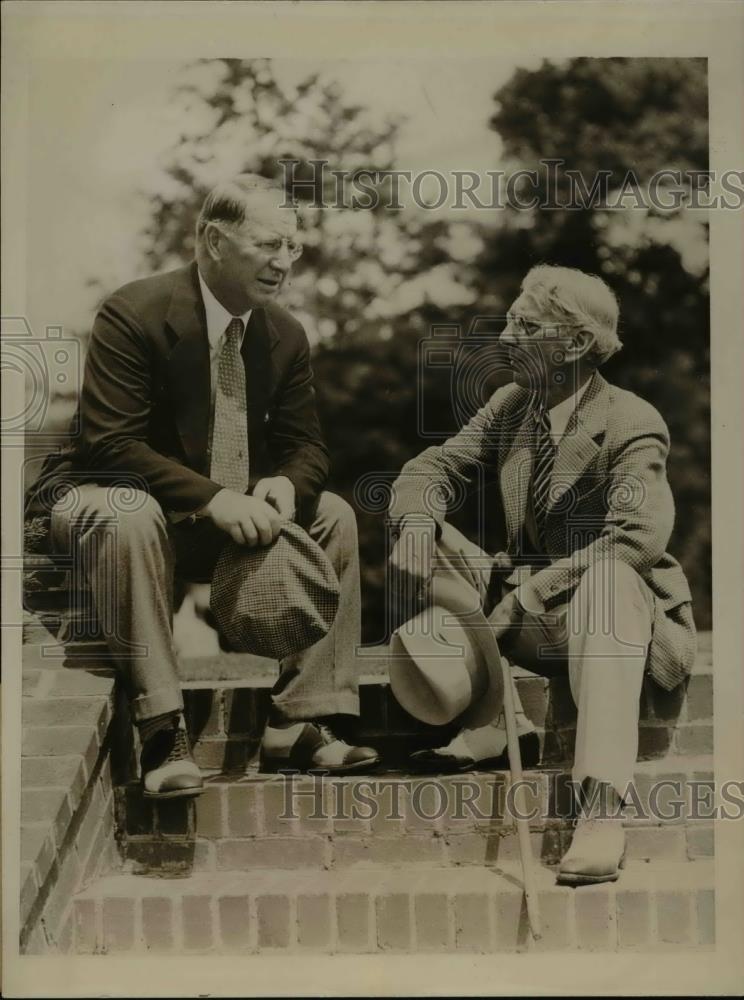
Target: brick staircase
<point x="262" y="863"/>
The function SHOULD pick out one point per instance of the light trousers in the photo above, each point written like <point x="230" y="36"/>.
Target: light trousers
<point x="600" y="637"/>
<point x="121" y="541"/>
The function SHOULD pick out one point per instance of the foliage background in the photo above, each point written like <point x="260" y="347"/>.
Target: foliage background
<point x="373" y="283"/>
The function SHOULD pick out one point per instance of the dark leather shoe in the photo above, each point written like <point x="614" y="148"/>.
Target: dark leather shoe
<point x="312" y="746"/>
<point x="441" y="760"/>
<point x="168" y="767"/>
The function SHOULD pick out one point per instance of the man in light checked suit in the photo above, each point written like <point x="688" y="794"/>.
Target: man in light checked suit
<point x="585" y="584"/>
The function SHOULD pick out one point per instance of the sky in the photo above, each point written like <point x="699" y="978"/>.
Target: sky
<point x="100" y="128"/>
<point x="99" y="131"/>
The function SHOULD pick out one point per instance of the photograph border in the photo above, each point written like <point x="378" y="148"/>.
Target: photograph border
<point x="61" y="30"/>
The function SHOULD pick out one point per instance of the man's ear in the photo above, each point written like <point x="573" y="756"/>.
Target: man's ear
<point x="212" y="237"/>
<point x="579" y="345"/>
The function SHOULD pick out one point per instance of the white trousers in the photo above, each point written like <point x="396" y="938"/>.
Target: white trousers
<point x="600" y="636"/>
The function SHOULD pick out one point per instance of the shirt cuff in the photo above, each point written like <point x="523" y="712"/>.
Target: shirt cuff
<point x="178" y="517"/>
<point x="422" y="520"/>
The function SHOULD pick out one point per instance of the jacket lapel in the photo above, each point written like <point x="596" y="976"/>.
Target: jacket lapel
<point x="578" y="447"/>
<point x="188" y="366"/>
<point x="256" y="351"/>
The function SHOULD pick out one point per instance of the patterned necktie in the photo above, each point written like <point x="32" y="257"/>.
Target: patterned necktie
<point x="229" y="465"/>
<point x="544" y="459"/>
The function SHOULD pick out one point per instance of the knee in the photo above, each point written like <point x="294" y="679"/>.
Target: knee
<point x="138" y="511"/>
<point x="606" y="577"/>
<point x="89" y="508"/>
<point x="336" y="512"/>
<point x="135" y="513"/>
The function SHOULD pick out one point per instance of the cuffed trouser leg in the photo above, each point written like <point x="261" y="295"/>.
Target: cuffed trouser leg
<point x="323" y="679"/>
<point x="602" y="636"/>
<point x="610" y="619"/>
<point x="119" y="540"/>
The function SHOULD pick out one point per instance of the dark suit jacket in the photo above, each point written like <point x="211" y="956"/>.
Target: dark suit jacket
<point x="143" y="415"/>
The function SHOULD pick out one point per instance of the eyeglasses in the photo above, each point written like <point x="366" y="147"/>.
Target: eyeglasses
<point x="530" y="328"/>
<point x="272" y="248"/>
<point x="269" y="247"/>
<point x="527" y="327"/>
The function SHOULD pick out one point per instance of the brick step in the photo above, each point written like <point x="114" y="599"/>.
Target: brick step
<point x="652" y="907"/>
<point x="227" y="712"/>
<point x="392" y="819"/>
<point x="67" y="805"/>
<point x="42" y="618"/>
<point x="226" y="723"/>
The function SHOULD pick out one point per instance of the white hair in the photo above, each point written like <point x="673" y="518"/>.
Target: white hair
<point x="573" y="297"/>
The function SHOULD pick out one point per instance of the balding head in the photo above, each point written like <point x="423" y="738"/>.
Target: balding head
<point x="246" y="241"/>
<point x="236" y="200"/>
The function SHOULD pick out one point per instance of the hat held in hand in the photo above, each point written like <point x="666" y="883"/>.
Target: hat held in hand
<point x="275" y="600"/>
<point x="438" y="662"/>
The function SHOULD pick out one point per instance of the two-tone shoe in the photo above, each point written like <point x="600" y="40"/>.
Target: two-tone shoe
<point x="467" y="752"/>
<point x="168" y="767"/>
<point x="312" y="746"/>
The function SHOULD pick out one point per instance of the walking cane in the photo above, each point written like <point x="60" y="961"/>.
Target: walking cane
<point x="452" y="597"/>
<point x="515" y="766"/>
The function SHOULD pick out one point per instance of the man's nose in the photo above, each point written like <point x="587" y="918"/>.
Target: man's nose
<point x="281" y="260"/>
<point x="507" y="334"/>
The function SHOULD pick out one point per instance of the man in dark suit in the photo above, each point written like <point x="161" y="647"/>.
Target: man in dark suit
<point x="198" y="424"/>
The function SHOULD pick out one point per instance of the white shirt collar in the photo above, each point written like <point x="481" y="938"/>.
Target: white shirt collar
<point x="560" y="414"/>
<point x="218" y="317"/>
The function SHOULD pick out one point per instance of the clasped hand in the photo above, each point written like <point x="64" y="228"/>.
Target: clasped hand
<point x="254" y="520"/>
<point x="413" y="556"/>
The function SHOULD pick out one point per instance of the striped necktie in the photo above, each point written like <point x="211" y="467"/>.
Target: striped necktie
<point x="543" y="470"/>
<point x="229" y="465"/>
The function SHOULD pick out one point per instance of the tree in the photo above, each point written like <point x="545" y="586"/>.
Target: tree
<point x="375" y="282"/>
<point x="246" y="118"/>
<point x="362" y="280"/>
<point x="620" y="115"/>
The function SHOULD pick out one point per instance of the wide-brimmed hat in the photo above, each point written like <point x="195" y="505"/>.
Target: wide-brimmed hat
<point x="442" y="660"/>
<point x="275" y="600"/>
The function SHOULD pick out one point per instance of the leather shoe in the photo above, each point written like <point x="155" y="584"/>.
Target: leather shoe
<point x="309" y="746"/>
<point x="168" y="767"/>
<point x="597" y="851"/>
<point x="596" y="854"/>
<point x="458" y="757"/>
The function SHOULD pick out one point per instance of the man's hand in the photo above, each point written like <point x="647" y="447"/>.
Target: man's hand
<point x="413" y="552"/>
<point x="248" y="520"/>
<point x="279" y="492"/>
<point x="507" y="613"/>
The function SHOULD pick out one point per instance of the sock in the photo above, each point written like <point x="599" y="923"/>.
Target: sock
<point x="524" y="725"/>
<point x="277" y="717"/>
<point x="148" y="727"/>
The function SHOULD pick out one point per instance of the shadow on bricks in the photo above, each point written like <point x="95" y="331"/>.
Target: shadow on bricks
<point x="157" y="838"/>
<point x="660" y="713"/>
